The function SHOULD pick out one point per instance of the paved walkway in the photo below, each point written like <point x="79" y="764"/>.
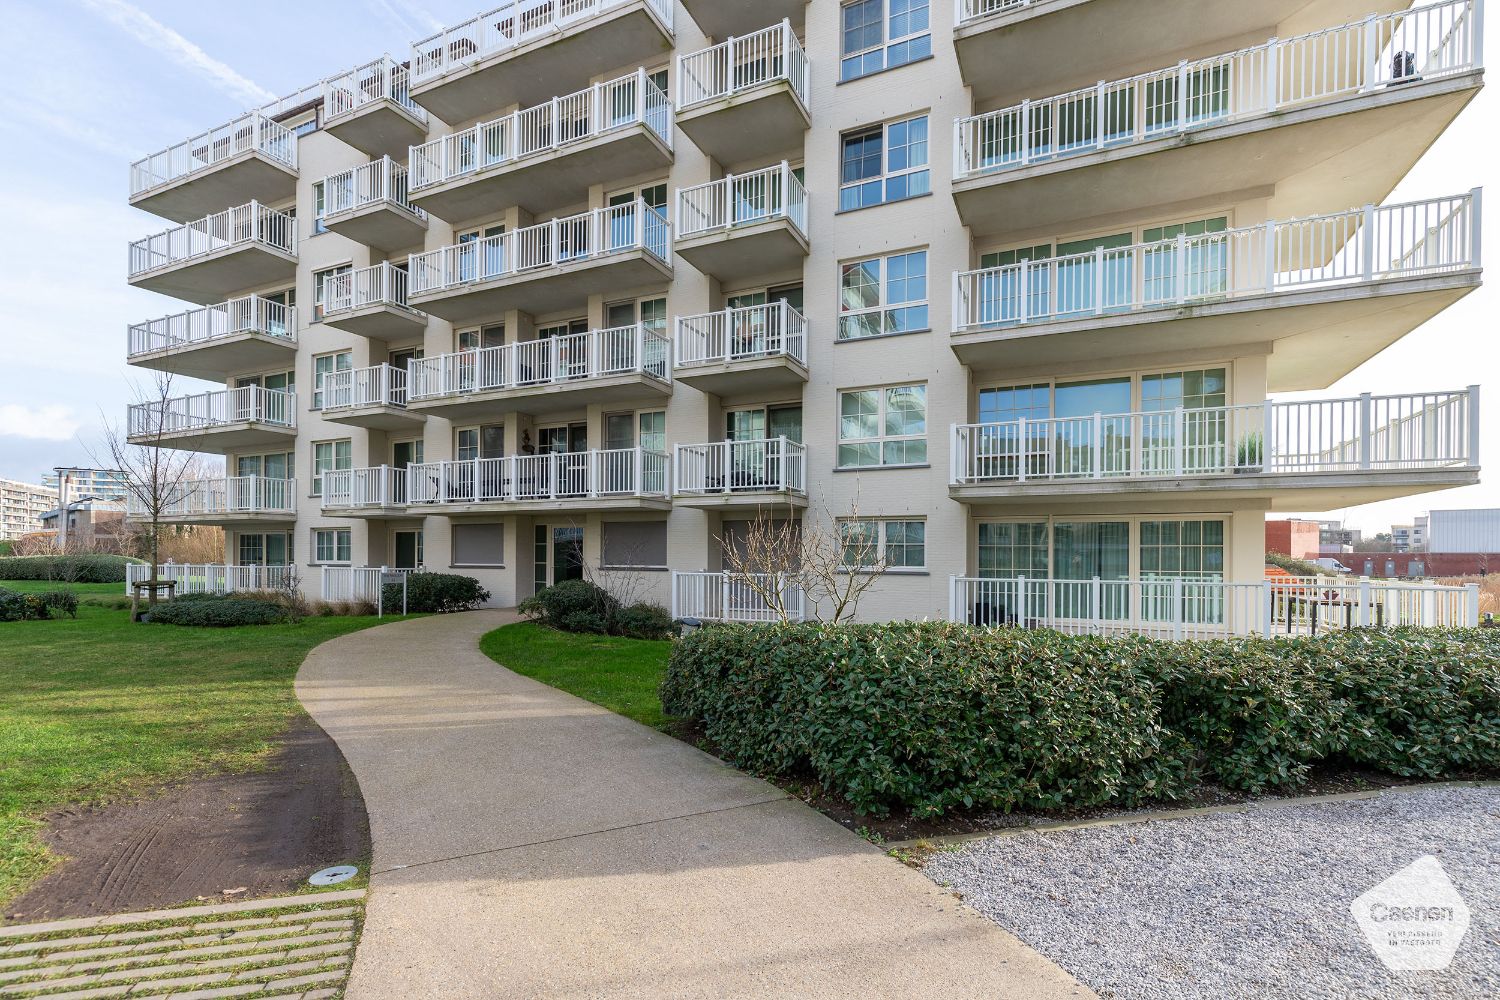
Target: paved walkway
<point x="529" y="844"/>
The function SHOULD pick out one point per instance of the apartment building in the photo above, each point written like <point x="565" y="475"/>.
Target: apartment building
<point x="22" y="506"/>
<point x="105" y="484"/>
<point x="1003" y="287"/>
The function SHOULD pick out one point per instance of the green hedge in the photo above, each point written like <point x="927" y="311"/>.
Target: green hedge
<point x="587" y="608"/>
<point x="67" y="569"/>
<point x="220" y="611"/>
<point x="435" y="593"/>
<point x="930" y="716"/>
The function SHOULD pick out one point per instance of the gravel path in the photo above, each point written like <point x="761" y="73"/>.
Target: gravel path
<point x="1241" y="904"/>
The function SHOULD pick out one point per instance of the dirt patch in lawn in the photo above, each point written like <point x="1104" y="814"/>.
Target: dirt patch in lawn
<point x="261" y="832"/>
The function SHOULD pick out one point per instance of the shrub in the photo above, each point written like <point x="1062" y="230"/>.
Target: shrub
<point x="61" y="601"/>
<point x="89" y="568"/>
<point x="218" y="611"/>
<point x="16" y="607"/>
<point x="573" y="606"/>
<point x="436" y="593"/>
<point x="1296" y="567"/>
<point x="644" y="621"/>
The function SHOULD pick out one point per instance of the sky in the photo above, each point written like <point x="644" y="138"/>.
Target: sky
<point x="108" y="81"/>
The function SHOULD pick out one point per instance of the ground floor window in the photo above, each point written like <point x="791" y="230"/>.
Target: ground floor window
<point x="408" y="548"/>
<point x="268" y="549"/>
<point x="332" y="545"/>
<point x="479" y="544"/>
<point x="895" y="544"/>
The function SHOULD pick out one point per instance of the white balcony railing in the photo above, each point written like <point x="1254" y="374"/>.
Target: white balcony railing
<point x="574" y="358"/>
<point x="250" y="132"/>
<point x="601" y="109"/>
<point x="577" y="475"/>
<point x="507" y="27"/>
<point x="1209" y="608"/>
<point x="379" y="182"/>
<point x="1364" y="57"/>
<point x="972" y="10"/>
<point x="224" y="495"/>
<point x="742" y="200"/>
<point x="196" y="327"/>
<point x="738" y="65"/>
<point x="721" y="468"/>
<point x="207" y="410"/>
<point x="378" y="486"/>
<point x="383" y="79"/>
<point x="736" y="597"/>
<point x="1359" y="246"/>
<point x="382" y="284"/>
<point x="602" y="232"/>
<point x="244" y="224"/>
<point x="378" y="385"/>
<point x="747" y="333"/>
<point x="199" y="578"/>
<point x="1416" y="432"/>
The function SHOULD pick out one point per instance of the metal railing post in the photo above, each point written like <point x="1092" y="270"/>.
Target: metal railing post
<point x="1366" y="431"/>
<point x="1473" y="425"/>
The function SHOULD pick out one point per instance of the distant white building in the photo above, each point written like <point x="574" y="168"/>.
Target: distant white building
<point x="106" y="484"/>
<point x="1410" y="537"/>
<point x="1464" y="530"/>
<point x="22" y="506"/>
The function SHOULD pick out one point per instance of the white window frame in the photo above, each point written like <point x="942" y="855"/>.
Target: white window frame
<point x="317" y="396"/>
<point x="882" y="526"/>
<point x="333" y="457"/>
<point x="886" y="173"/>
<point x="884" y="306"/>
<point x="882" y="439"/>
<point x="320" y="278"/>
<point x="342" y="538"/>
<point x="883" y="46"/>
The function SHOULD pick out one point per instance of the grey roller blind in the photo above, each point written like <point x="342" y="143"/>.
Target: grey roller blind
<point x="635" y="543"/>
<point x="479" y="544"/>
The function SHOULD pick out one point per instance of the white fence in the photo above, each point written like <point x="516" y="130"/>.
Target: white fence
<point x="366" y="583"/>
<point x="252" y="223"/>
<point x="382" y="181"/>
<point x="973" y="10"/>
<point x="506" y="27"/>
<point x="726" y="467"/>
<point x="599" y="110"/>
<point x="246" y="404"/>
<point x="201" y="578"/>
<point x="737" y="597"/>
<point x="598" y="233"/>
<point x="250" y="132"/>
<point x="1178" y="608"/>
<point x="248" y="314"/>
<point x="737" y="65"/>
<point x="382" y="284"/>
<point x="1363" y="245"/>
<point x="742" y="334"/>
<point x="225" y="495"/>
<point x="595" y="354"/>
<point x="742" y="200"/>
<point x="377" y="385"/>
<point x="378" y="486"/>
<point x="383" y="79"/>
<point x="617" y="472"/>
<point x="1364" y="57"/>
<point x="1417" y="431"/>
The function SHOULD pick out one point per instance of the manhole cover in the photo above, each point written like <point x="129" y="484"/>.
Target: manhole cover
<point x="334" y="875"/>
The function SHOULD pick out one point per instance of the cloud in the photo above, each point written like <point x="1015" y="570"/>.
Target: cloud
<point x="43" y="423"/>
<point x="410" y="14"/>
<point x="69" y="127"/>
<point x="152" y="33"/>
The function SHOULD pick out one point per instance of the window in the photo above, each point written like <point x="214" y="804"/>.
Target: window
<point x="886" y="426"/>
<point x="485" y="441"/>
<point x="271" y="549"/>
<point x="634" y="545"/>
<point x="478" y="544"/>
<point x="473" y="340"/>
<point x="883" y="163"/>
<point x="330" y="456"/>
<point x="883" y="34"/>
<point x="1188" y="549"/>
<point x="895" y="544"/>
<point x="325" y="365"/>
<point x="653" y="435"/>
<point x="326" y="297"/>
<point x="331" y="545"/>
<point x="866" y="309"/>
<point x="320" y="206"/>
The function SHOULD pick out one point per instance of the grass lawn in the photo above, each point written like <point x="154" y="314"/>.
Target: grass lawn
<point x="81" y="589"/>
<point x="622" y="675"/>
<point x="96" y="708"/>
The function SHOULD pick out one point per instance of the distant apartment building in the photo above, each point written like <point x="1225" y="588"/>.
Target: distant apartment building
<point x="1333" y="536"/>
<point x="1410" y="537"/>
<point x="106" y="484"/>
<point x="1002" y="294"/>
<point x="22" y="506"/>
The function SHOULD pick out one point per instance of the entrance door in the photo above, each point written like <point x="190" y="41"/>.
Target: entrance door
<point x="558" y="554"/>
<point x="403" y="454"/>
<point x="408" y="549"/>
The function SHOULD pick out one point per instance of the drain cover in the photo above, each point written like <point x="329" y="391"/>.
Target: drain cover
<point x="334" y="875"/>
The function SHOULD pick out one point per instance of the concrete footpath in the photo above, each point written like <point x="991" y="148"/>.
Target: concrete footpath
<point x="530" y="844"/>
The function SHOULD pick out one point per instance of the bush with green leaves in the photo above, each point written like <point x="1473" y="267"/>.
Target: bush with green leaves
<point x="644" y="621"/>
<point x="435" y="593"/>
<point x="573" y="606"/>
<point x="86" y="568"/>
<point x="1296" y="567"/>
<point x="61" y="602"/>
<point x="219" y="611"/>
<point x="16" y="607"/>
<point x="930" y="716"/>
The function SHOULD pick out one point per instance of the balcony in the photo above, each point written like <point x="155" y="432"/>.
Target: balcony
<point x="373" y="397"/>
<point x="369" y="205"/>
<point x="740" y="476"/>
<point x="744" y="226"/>
<point x="1004" y="45"/>
<point x="378" y="492"/>
<point x="200" y="578"/>
<point x="211" y="259"/>
<point x="221" y="421"/>
<point x="1304" y="455"/>
<point x="529" y="50"/>
<point x="1328" y="292"/>
<point x="371" y="302"/>
<point x="550" y="375"/>
<point x="225" y="501"/>
<point x="546" y="267"/>
<point x="371" y="109"/>
<point x="746" y="96"/>
<point x="545" y="157"/>
<point x="1340" y="115"/>
<point x="580" y="481"/>
<point x="251" y="156"/>
<point x="737" y="597"/>
<point x="1206" y="607"/>
<point x="244" y="334"/>
<point x="720" y="20"/>
<point x="752" y="349"/>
